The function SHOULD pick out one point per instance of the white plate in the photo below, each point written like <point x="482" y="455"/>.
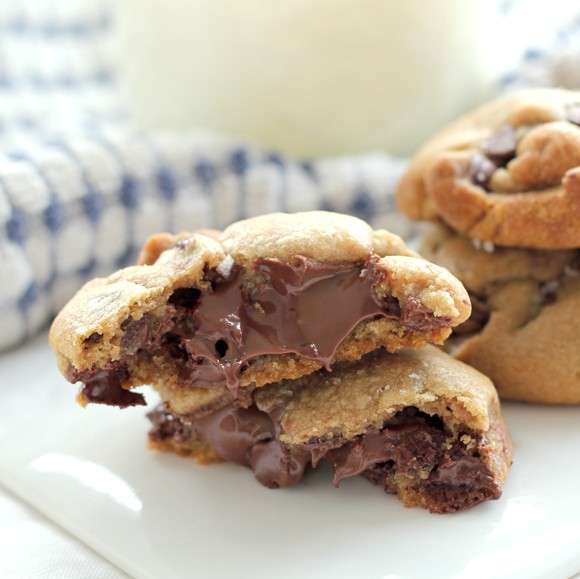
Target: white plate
<point x="160" y="516"/>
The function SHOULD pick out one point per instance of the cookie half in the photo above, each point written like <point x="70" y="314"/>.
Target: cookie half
<point x="418" y="423"/>
<point x="271" y="298"/>
<point x="524" y="331"/>
<point x="507" y="173"/>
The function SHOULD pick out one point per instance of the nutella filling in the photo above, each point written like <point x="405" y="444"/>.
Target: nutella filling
<point x="288" y="313"/>
<point x="211" y="335"/>
<point x="408" y="443"/>
<point x="411" y="444"/>
<point x="244" y="436"/>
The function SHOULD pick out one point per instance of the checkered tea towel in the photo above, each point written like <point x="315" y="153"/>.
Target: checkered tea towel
<point x="80" y="190"/>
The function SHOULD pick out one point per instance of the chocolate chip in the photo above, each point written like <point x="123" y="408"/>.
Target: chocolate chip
<point x="94" y="338"/>
<point x="417" y="317"/>
<point x="549" y="292"/>
<point x="136" y="334"/>
<point x="167" y="426"/>
<point x="573" y="113"/>
<point x="392" y="307"/>
<point x="501" y="146"/>
<point x="174" y="346"/>
<point x="480" y="171"/>
<point x="185" y="297"/>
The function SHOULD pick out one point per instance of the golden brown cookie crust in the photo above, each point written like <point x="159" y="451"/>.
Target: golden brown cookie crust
<point x="531" y="199"/>
<point x="191" y="448"/>
<point x="365" y="394"/>
<point x="529" y="345"/>
<point x="87" y="334"/>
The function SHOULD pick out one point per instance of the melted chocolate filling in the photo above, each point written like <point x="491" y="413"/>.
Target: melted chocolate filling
<point x="244" y="436"/>
<point x="408" y="443"/>
<point x="234" y="323"/>
<point x="106" y="387"/>
<point x="411" y="444"/>
<point x="210" y="336"/>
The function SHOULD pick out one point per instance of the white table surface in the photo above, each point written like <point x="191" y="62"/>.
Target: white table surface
<point x="33" y="547"/>
<point x="534" y="529"/>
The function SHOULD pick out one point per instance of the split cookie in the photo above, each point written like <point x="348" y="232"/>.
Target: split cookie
<point x="417" y="423"/>
<point x="206" y="318"/>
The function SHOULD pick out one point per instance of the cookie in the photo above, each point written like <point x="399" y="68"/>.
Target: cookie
<point x="271" y="298"/>
<point x="417" y="423"/>
<point x="507" y="173"/>
<point x="525" y="327"/>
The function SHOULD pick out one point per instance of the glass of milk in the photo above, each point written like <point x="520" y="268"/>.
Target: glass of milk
<point x="311" y="77"/>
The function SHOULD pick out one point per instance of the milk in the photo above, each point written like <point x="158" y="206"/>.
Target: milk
<point x="311" y="77"/>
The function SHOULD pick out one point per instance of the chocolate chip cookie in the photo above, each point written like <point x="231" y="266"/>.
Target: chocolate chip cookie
<point x="417" y="423"/>
<point x="206" y="318"/>
<point x="524" y="331"/>
<point x="507" y="173"/>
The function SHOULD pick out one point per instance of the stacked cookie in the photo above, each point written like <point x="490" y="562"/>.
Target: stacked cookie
<point x="503" y="183"/>
<point x="288" y="340"/>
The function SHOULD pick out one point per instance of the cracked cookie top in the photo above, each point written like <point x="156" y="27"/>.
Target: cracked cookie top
<point x="506" y="173"/>
<point x="364" y="394"/>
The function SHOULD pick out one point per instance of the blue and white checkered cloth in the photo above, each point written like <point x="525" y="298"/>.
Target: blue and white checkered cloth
<point x="80" y="190"/>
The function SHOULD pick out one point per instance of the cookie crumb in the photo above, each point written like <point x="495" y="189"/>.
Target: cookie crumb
<point x="488" y="246"/>
<point x="224" y="268"/>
